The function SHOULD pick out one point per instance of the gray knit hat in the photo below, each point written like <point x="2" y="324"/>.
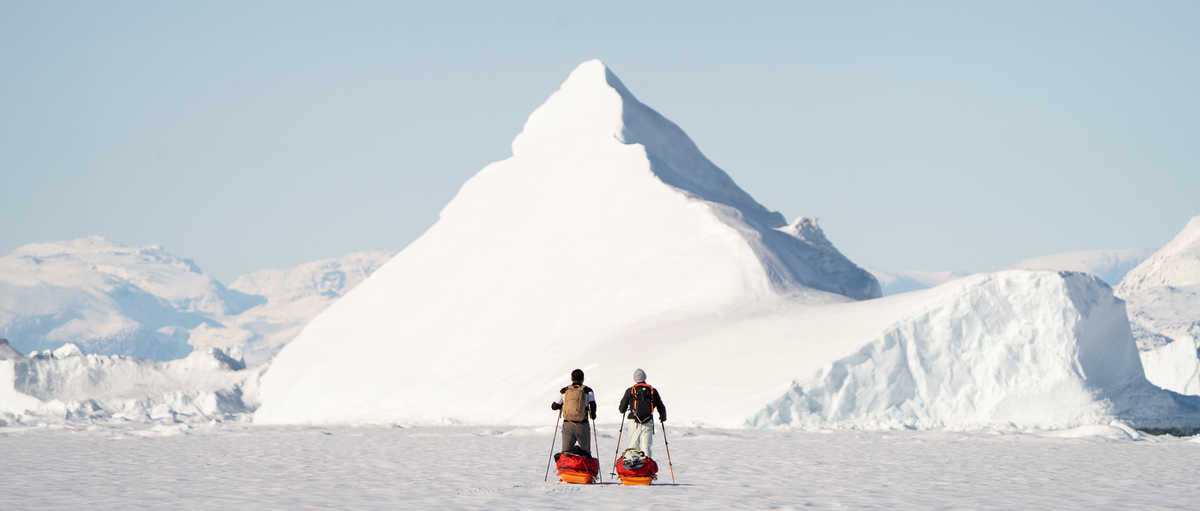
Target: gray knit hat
<point x="639" y="376"/>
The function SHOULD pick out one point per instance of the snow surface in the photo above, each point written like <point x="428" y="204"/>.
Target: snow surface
<point x="240" y="467"/>
<point x="1163" y="300"/>
<point x="606" y="216"/>
<point x="1110" y="265"/>
<point x="143" y="301"/>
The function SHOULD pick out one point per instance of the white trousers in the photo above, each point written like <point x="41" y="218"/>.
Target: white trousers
<point x="641" y="436"/>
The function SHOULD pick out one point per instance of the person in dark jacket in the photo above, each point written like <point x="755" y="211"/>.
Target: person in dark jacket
<point x="641" y="400"/>
<point x="577" y="402"/>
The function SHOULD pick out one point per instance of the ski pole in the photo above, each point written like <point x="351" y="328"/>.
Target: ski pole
<point x="618" y="451"/>
<point x="668" y="444"/>
<point x="552" y="439"/>
<point x="596" y="437"/>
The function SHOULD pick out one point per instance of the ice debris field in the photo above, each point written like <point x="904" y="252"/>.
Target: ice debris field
<point x="607" y="241"/>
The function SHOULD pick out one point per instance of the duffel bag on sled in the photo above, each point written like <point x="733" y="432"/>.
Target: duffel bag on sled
<point x="577" y="467"/>
<point x="633" y="467"/>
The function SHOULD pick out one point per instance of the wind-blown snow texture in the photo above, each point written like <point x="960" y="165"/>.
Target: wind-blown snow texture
<point x="605" y="215"/>
<point x="611" y="243"/>
<point x="1163" y="297"/>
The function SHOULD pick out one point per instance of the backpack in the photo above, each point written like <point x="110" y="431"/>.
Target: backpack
<point x="575" y="403"/>
<point x="643" y="402"/>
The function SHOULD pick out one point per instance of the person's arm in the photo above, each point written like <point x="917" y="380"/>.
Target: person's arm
<point x="558" y="403"/>
<point x="624" y="403"/>
<point x="662" y="409"/>
<point x="591" y="396"/>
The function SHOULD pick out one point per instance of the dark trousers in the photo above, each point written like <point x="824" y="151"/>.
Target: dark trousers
<point x="577" y="432"/>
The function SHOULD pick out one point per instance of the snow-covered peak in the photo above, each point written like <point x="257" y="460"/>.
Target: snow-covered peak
<point x="607" y="216"/>
<point x="1176" y="264"/>
<point x="593" y="108"/>
<point x="586" y="106"/>
<point x="806" y="228"/>
<point x="67" y="350"/>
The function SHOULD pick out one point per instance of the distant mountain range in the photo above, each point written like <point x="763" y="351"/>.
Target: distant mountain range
<point x="109" y="298"/>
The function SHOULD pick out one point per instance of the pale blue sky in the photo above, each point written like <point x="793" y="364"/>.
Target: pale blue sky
<point x="948" y="136"/>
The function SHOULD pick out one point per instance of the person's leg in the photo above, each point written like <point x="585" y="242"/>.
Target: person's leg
<point x="569" y="435"/>
<point x="585" y="437"/>
<point x="649" y="438"/>
<point x="640" y="440"/>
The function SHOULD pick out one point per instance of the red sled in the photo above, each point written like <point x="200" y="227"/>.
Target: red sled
<point x="639" y="476"/>
<point x="576" y="469"/>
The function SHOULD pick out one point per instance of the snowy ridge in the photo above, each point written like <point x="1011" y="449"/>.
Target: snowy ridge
<point x="605" y="216"/>
<point x="1163" y="297"/>
<point x="1110" y="265"/>
<point x="1175" y="264"/>
<point x="582" y="120"/>
<point x="1041" y="350"/>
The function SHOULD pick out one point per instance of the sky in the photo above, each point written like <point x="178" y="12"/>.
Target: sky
<point x="933" y="136"/>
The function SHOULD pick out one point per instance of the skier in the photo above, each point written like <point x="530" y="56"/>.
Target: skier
<point x="577" y="402"/>
<point x="641" y="399"/>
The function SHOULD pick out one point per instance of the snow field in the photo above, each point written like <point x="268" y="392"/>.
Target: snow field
<point x="223" y="467"/>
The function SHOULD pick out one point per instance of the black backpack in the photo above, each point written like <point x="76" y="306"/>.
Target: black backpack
<point x="643" y="402"/>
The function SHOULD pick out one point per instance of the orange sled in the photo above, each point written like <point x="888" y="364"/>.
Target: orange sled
<point x="575" y="477"/>
<point x="636" y="480"/>
<point x="577" y="469"/>
<point x="639" y="476"/>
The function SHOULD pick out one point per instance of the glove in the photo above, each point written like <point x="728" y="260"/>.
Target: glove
<point x="593" y="415"/>
<point x="555" y="406"/>
<point x="662" y="418"/>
